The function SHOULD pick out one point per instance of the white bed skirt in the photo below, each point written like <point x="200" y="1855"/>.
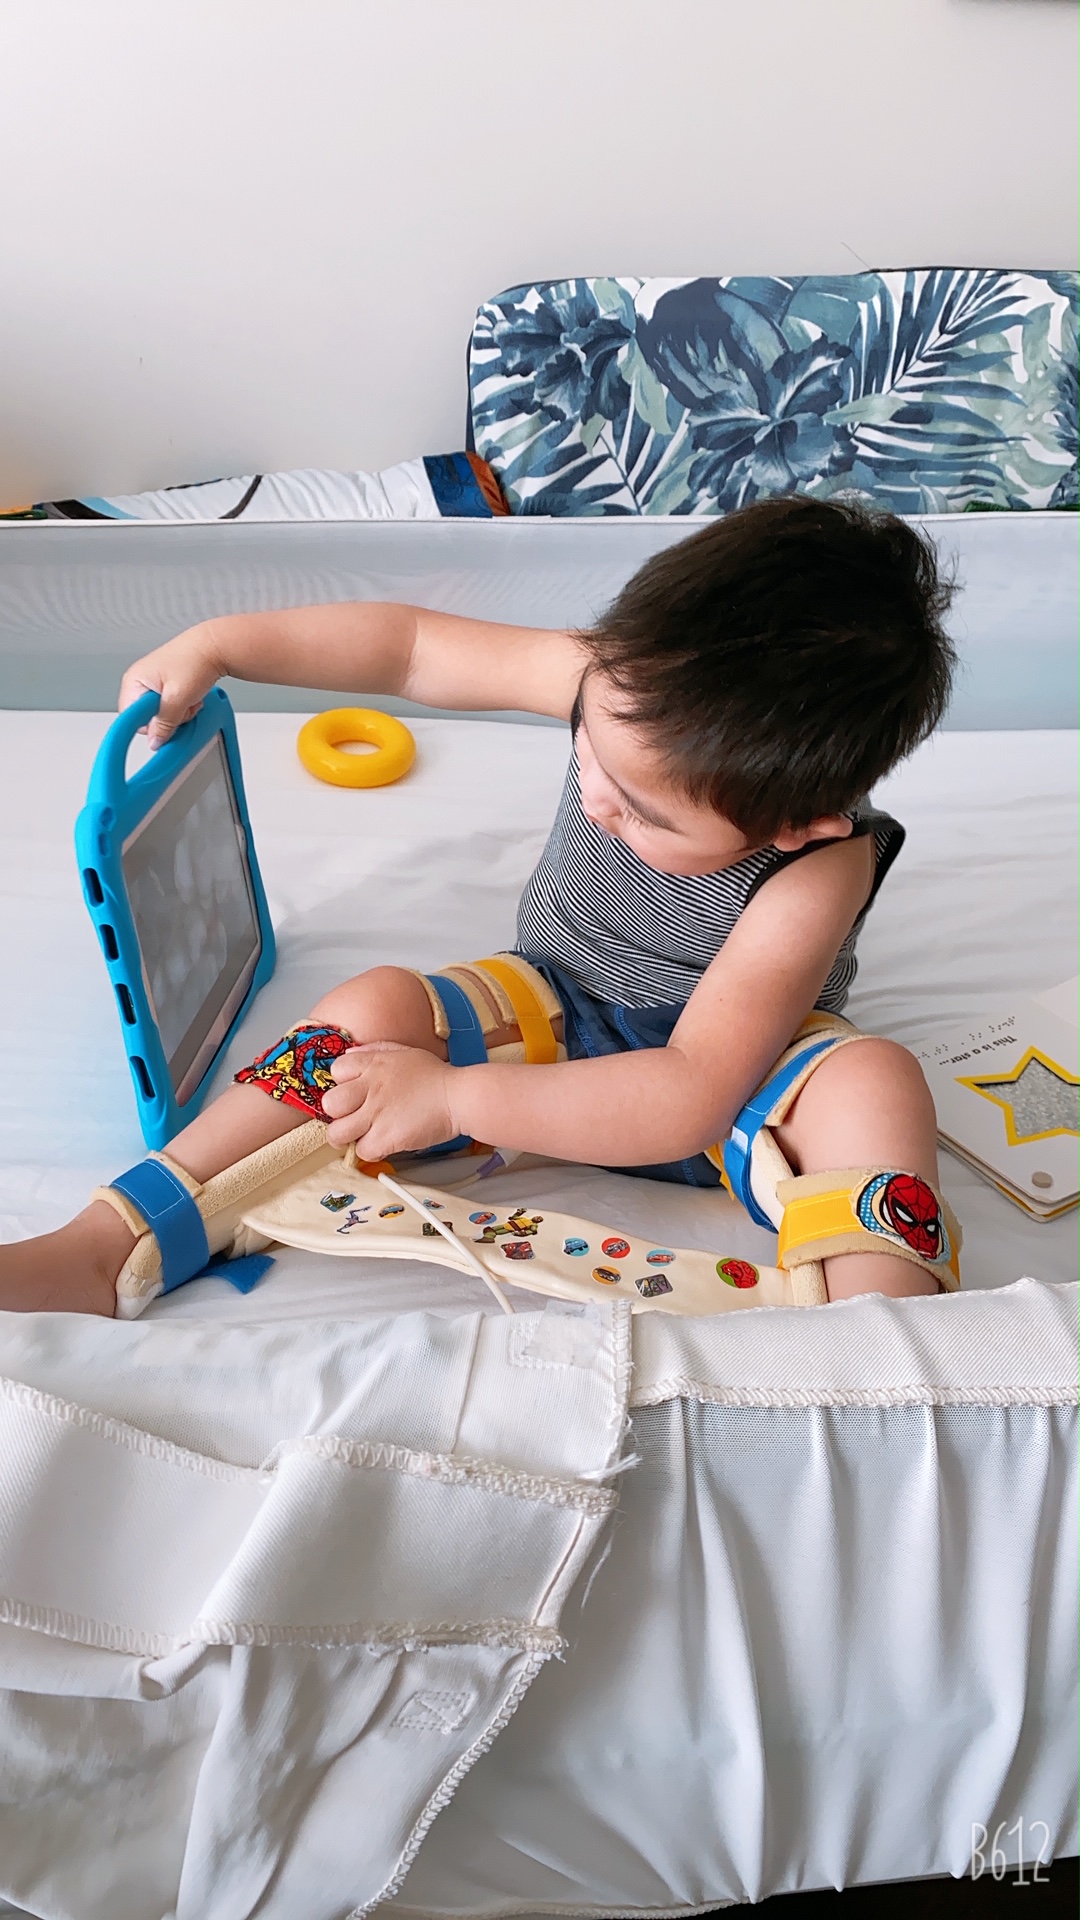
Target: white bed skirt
<point x="79" y="602"/>
<point x="269" y="1608"/>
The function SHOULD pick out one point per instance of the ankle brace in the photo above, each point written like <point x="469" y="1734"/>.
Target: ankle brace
<point x="181" y="1226"/>
<point x="296" y="1069"/>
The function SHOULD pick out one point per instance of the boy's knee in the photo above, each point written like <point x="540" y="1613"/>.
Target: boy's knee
<point x="874" y="1089"/>
<point x="873" y="1072"/>
<point x="385" y="1003"/>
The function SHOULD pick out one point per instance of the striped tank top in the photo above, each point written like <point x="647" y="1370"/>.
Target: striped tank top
<point x="638" y="938"/>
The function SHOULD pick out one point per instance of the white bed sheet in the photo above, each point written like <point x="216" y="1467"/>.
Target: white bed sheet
<point x="980" y="906"/>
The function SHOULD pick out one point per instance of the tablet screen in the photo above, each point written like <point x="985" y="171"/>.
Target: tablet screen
<point x="188" y="885"/>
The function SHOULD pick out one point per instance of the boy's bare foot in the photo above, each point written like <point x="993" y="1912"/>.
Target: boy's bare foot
<point x="71" y="1271"/>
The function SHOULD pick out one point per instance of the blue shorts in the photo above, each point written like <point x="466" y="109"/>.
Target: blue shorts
<point x="595" y="1027"/>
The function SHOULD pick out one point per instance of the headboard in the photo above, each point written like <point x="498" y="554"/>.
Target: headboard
<point x="928" y="390"/>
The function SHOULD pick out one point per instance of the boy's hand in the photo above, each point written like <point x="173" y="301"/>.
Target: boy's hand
<point x="390" y="1098"/>
<point x="182" y="671"/>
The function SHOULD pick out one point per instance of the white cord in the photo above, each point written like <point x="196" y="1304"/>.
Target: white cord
<point x="447" y="1231"/>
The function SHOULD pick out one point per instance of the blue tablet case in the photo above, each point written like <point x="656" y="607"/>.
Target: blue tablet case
<point x="116" y="809"/>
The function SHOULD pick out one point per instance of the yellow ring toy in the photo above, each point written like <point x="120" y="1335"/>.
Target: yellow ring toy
<point x="319" y="741"/>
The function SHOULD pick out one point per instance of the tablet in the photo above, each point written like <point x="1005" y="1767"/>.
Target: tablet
<point x="170" y="876"/>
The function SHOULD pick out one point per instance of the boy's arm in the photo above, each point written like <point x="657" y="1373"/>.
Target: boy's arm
<point x="437" y="659"/>
<point x="644" y="1108"/>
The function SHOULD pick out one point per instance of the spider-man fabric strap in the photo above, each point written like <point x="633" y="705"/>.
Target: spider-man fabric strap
<point x="297" y="1068"/>
<point x="868" y="1210"/>
<point x="465" y="1043"/>
<point x="172" y="1217"/>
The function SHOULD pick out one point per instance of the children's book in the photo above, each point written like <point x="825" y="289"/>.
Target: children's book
<point x="1006" y="1087"/>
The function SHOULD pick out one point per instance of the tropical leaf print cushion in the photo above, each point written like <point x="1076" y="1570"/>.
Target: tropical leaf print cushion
<point x="929" y="391"/>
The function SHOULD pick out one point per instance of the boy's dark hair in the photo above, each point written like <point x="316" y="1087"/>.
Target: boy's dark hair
<point x="783" y="659"/>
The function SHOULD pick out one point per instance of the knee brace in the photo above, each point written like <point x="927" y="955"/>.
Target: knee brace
<point x="884" y="1210"/>
<point x="471" y="1000"/>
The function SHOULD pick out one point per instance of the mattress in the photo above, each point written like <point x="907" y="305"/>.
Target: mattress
<point x="980" y="905"/>
<point x="79" y="602"/>
<point x="825" y="1629"/>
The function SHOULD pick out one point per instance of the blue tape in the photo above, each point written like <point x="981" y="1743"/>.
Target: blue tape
<point x="172" y="1217"/>
<point x="748" y="1124"/>
<point x="465" y="1043"/>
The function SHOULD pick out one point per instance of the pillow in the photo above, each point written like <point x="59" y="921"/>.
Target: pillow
<point x="927" y="391"/>
<point x="460" y="485"/>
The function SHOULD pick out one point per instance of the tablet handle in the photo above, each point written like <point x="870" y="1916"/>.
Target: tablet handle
<point x="109" y="777"/>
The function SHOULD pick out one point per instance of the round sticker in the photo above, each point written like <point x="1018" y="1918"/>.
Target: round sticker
<point x="517" y="1249"/>
<point x="737" y="1273"/>
<point x="615" y="1248"/>
<point x="385" y="1212"/>
<point x="660" y="1257"/>
<point x="575" y="1247"/>
<point x="483" y="1219"/>
<point x="607" y="1276"/>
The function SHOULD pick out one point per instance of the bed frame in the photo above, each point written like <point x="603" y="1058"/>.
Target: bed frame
<point x="79" y="602"/>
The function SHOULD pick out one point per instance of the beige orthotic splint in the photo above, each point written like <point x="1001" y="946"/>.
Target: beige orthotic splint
<point x="504" y="991"/>
<point x="300" y="1191"/>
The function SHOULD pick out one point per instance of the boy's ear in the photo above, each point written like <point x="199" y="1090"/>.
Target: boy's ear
<point x="830" y="826"/>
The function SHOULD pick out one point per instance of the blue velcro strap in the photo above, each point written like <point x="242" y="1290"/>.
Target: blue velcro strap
<point x="748" y="1124"/>
<point x="465" y="1043"/>
<point x="172" y="1217"/>
<point x="243" y="1272"/>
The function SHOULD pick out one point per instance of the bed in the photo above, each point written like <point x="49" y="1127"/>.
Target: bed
<point x="795" y="1659"/>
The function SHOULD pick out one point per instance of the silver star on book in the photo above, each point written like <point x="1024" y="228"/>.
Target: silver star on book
<point x="1041" y="1100"/>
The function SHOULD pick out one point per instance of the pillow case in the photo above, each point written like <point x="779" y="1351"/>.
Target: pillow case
<point x="436" y="486"/>
<point x="931" y="390"/>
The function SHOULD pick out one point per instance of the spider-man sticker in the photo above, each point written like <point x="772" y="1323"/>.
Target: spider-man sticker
<point x="904" y="1208"/>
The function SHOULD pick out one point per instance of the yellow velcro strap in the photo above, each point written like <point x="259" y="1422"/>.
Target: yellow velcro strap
<point x="534" y="1025"/>
<point x="874" y="1210"/>
<point x="814" y="1217"/>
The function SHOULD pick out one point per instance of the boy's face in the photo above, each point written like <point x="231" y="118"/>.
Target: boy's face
<point x="626" y="790"/>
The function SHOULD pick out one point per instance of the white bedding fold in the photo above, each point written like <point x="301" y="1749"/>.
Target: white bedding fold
<point x="311" y="1625"/>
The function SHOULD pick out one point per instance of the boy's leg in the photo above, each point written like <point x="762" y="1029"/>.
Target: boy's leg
<point x="74" y="1270"/>
<point x="387" y="1003"/>
<point x="865" y="1106"/>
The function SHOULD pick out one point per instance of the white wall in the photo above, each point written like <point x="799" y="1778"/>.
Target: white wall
<point x="246" y="234"/>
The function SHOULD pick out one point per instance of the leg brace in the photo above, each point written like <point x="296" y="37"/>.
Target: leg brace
<point x="476" y="998"/>
<point x="885" y="1210"/>
<point x="185" y="1230"/>
<point x="299" y="1191"/>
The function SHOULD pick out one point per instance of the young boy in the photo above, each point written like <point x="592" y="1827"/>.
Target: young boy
<point x="709" y="868"/>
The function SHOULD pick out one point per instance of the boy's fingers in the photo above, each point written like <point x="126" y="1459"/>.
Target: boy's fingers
<point x="172" y="713"/>
<point x="340" y="1100"/>
<point x="349" y="1065"/>
<point x="344" y="1131"/>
